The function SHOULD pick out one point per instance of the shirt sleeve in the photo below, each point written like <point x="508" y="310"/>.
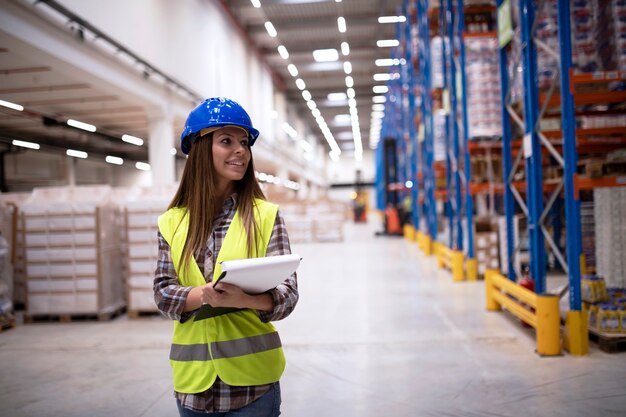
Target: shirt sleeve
<point x="169" y="295"/>
<point x="286" y="295"/>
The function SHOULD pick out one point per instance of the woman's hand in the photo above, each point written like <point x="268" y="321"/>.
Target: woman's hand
<point x="228" y="295"/>
<point x="224" y="295"/>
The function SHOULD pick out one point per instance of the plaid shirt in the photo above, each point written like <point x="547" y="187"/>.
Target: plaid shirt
<point x="170" y="298"/>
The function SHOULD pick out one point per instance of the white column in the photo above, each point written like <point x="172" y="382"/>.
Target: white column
<point x="160" y="143"/>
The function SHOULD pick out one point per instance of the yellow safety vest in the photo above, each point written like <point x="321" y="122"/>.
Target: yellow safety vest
<point x="237" y="347"/>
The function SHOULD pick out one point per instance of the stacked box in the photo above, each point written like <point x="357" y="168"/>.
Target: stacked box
<point x="585" y="56"/>
<point x="587" y="233"/>
<point x="12" y="230"/>
<point x="547" y="31"/>
<point x="610" y="236"/>
<point x="72" y="253"/>
<point x="314" y="221"/>
<point x="486" y="245"/>
<point x="484" y="104"/>
<point x="619" y="27"/>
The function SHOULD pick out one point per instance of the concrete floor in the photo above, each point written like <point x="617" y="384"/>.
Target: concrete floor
<point x="379" y="331"/>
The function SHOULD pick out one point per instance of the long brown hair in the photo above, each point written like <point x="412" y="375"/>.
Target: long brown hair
<point x="196" y="192"/>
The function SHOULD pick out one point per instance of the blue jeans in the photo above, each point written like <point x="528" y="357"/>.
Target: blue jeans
<point x="268" y="405"/>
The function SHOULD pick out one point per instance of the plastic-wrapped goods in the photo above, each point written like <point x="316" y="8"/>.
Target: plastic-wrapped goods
<point x="610" y="234"/>
<point x="439" y="135"/>
<point x="437" y="62"/>
<point x="6" y="279"/>
<point x="484" y="104"/>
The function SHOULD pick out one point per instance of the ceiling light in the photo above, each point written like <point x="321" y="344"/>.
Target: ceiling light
<point x="380" y="89"/>
<point x="300" y="84"/>
<point x="325" y="55"/>
<point x="284" y="54"/>
<point x="311" y="104"/>
<point x="132" y="139"/>
<point x="306" y="95"/>
<point x="336" y="96"/>
<point x="11" y="105"/>
<point x="382" y="77"/>
<point x="289" y="130"/>
<point x="391" y="19"/>
<point x="114" y="160"/>
<point x="378" y="114"/>
<point x="349" y="82"/>
<point x="347" y="67"/>
<point x="341" y="24"/>
<point x="271" y="30"/>
<point x="345" y="48"/>
<point x="24" y="144"/>
<point x="76" y="154"/>
<point x="292" y="70"/>
<point x="256" y="3"/>
<point x="378" y="107"/>
<point x="316" y="112"/>
<point x="81" y="125"/>
<point x="387" y="43"/>
<point x="352" y="103"/>
<point x="142" y="166"/>
<point x="342" y="118"/>
<point x="173" y="151"/>
<point x="387" y="62"/>
<point x="351" y="93"/>
<point x="379" y="99"/>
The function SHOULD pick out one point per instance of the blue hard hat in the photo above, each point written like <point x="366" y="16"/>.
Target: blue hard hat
<point x="215" y="112"/>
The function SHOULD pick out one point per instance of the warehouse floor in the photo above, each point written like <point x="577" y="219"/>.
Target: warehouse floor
<point x="379" y="331"/>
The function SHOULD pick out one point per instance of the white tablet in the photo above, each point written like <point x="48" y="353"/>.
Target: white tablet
<point x="257" y="275"/>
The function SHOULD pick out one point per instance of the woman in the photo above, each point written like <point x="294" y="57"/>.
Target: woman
<point x="230" y="364"/>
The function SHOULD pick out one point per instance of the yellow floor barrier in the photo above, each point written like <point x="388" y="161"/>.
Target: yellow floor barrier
<point x="451" y="259"/>
<point x="539" y="311"/>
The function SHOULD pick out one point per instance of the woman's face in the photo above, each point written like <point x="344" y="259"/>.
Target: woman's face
<point x="231" y="154"/>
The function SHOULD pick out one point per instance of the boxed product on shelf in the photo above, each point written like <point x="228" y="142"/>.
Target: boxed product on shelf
<point x="72" y="252"/>
<point x="610" y="234"/>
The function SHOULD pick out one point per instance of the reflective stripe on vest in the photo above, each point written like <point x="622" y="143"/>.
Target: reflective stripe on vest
<point x="238" y="347"/>
<point x="227" y="349"/>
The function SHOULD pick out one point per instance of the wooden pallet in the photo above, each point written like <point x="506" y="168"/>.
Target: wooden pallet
<point x="71" y="317"/>
<point x="608" y="342"/>
<point x="135" y="314"/>
<point x="6" y="323"/>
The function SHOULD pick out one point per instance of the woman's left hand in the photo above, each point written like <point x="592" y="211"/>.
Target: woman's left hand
<point x="225" y="295"/>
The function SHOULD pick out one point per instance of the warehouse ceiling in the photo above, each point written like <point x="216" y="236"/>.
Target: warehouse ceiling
<point x="304" y="26"/>
<point x="51" y="93"/>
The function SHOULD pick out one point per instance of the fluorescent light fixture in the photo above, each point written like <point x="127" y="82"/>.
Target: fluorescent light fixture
<point x="11" y="105"/>
<point x="173" y="151"/>
<point x="132" y="139"/>
<point x="349" y="82"/>
<point x="387" y="62"/>
<point x="382" y="77"/>
<point x="336" y="96"/>
<point x="379" y="99"/>
<point x="114" y="160"/>
<point x="271" y="30"/>
<point x="306" y="95"/>
<point x="142" y="166"/>
<point x="334" y="155"/>
<point x="342" y="118"/>
<point x="292" y="70"/>
<point x="391" y="19"/>
<point x="378" y="107"/>
<point x="337" y="1"/>
<point x="347" y="67"/>
<point x="256" y="3"/>
<point x="350" y="92"/>
<point x="378" y="114"/>
<point x="24" y="144"/>
<point x="316" y="112"/>
<point x="345" y="48"/>
<point x="300" y="84"/>
<point x="341" y="24"/>
<point x="306" y="145"/>
<point x="352" y="104"/>
<point x="284" y="54"/>
<point x="289" y="130"/>
<point x="325" y="55"/>
<point x="81" y="125"/>
<point x="76" y="154"/>
<point x="387" y="43"/>
<point x="311" y="104"/>
<point x="380" y="89"/>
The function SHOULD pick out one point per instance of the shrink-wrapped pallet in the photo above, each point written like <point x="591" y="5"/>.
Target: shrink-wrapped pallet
<point x="72" y="252"/>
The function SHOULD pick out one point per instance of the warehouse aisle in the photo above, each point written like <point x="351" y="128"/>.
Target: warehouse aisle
<point x="379" y="331"/>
